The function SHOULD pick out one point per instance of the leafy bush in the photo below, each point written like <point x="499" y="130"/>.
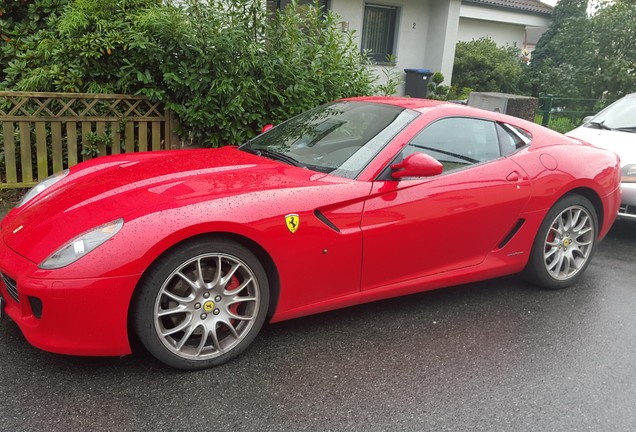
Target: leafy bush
<point x="389" y="76"/>
<point x="483" y="66"/>
<point x="82" y="49"/>
<point x="440" y="92"/>
<point x="557" y="123"/>
<point x="225" y="67"/>
<point x="233" y="72"/>
<point x="19" y="20"/>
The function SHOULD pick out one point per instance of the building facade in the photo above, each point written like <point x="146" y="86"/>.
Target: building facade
<point x="422" y="34"/>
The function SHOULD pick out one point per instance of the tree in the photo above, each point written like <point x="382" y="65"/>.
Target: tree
<point x="483" y="66"/>
<point x="615" y="33"/>
<point x="587" y="56"/>
<point x="547" y="48"/>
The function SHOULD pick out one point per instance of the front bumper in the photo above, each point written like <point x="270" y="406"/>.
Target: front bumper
<point x="67" y="316"/>
<point x="628" y="202"/>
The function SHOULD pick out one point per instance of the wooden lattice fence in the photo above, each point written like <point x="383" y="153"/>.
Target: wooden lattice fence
<point x="43" y="133"/>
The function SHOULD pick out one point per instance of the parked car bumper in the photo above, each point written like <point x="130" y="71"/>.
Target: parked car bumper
<point x="628" y="202"/>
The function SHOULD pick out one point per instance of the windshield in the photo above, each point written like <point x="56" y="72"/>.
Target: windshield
<point x="621" y="115"/>
<point x="340" y="138"/>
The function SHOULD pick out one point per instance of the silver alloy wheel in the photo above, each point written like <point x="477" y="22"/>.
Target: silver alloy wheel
<point x="206" y="306"/>
<point x="569" y="242"/>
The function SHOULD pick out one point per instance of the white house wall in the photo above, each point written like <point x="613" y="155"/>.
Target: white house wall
<point x="501" y="33"/>
<point x="505" y="27"/>
<point x="425" y="36"/>
<point x="503" y="16"/>
<point x="442" y="36"/>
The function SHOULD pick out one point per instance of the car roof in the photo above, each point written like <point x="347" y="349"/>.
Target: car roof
<point x="447" y="109"/>
<point x="404" y="102"/>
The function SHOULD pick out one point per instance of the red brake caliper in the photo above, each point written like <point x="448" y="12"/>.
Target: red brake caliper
<point x="232" y="285"/>
<point x="551" y="237"/>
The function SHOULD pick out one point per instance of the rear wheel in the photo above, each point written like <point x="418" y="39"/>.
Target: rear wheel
<point x="564" y="244"/>
<point x="202" y="304"/>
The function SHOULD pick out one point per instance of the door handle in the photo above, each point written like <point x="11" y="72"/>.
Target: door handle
<point x="513" y="177"/>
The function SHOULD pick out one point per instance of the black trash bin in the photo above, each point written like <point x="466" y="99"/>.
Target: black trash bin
<point x="417" y="82"/>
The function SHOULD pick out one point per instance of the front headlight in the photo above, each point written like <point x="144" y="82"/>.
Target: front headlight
<point x="628" y="174"/>
<point x="40" y="187"/>
<point x="81" y="245"/>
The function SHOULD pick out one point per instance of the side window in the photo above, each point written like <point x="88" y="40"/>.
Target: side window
<point x="512" y="138"/>
<point x="457" y="142"/>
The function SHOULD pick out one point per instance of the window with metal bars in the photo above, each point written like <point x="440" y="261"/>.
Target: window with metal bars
<point x="378" y="31"/>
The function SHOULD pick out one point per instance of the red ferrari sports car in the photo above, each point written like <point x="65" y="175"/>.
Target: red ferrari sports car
<point x="354" y="201"/>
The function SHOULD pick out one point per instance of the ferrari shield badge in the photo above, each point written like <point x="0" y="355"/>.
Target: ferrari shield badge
<point x="292" y="221"/>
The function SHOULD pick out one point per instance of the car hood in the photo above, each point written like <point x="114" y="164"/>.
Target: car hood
<point x="621" y="143"/>
<point x="131" y="186"/>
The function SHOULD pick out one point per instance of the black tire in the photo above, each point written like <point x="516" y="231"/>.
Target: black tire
<point x="565" y="243"/>
<point x="201" y="304"/>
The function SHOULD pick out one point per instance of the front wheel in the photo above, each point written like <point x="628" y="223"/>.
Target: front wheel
<point x="201" y="304"/>
<point x="564" y="244"/>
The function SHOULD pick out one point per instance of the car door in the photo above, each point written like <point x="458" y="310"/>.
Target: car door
<point x="419" y="227"/>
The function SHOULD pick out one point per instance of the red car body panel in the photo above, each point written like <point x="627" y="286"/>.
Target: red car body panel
<point x="438" y="231"/>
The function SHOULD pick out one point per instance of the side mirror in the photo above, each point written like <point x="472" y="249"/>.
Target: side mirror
<point x="417" y="165"/>
<point x="587" y="119"/>
<point x="267" y="127"/>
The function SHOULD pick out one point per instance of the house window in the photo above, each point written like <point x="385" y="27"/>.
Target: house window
<point x="378" y="31"/>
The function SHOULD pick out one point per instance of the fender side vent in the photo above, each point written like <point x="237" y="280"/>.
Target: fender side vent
<point x="515" y="229"/>
<point x="11" y="286"/>
<point x="326" y="221"/>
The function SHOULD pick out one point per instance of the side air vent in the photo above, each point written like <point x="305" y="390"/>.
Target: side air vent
<point x="36" y="306"/>
<point x="515" y="229"/>
<point x="326" y="221"/>
<point x="12" y="287"/>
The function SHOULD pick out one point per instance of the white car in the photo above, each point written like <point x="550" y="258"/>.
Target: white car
<point x="614" y="128"/>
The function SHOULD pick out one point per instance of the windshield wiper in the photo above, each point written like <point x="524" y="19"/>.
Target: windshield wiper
<point x="599" y="125"/>
<point x="626" y="129"/>
<point x="274" y="155"/>
<point x="447" y="153"/>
